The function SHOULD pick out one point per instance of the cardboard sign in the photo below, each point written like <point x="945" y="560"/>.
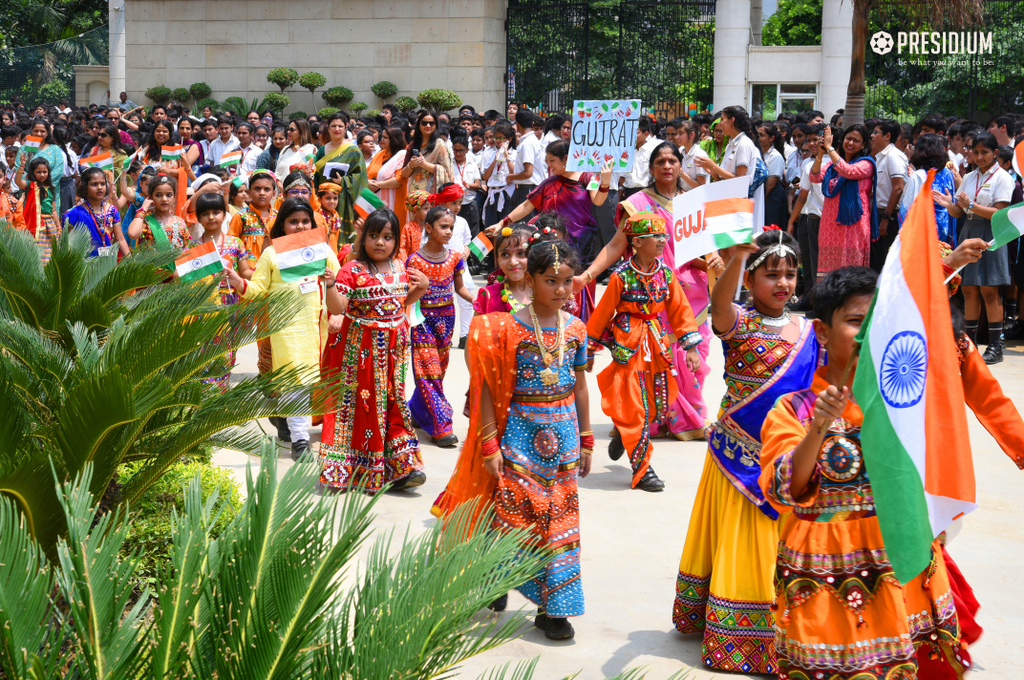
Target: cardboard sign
<point x="692" y="239"/>
<point x="603" y="130"/>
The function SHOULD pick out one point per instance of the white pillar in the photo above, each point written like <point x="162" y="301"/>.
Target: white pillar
<point x="732" y="37"/>
<point x="116" y="80"/>
<point x="756" y="19"/>
<point x="836" y="52"/>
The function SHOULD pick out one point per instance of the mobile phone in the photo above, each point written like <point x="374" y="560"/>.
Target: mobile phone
<point x="415" y="153"/>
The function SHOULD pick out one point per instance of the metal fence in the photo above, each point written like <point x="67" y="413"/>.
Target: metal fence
<point x="659" y="52"/>
<point x="44" y="74"/>
<point x="979" y="86"/>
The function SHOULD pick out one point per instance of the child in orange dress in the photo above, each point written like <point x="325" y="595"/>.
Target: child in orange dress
<point x="417" y="206"/>
<point x="841" y="614"/>
<point x="328" y="193"/>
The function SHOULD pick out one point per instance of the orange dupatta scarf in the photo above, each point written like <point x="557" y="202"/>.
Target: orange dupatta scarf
<point x="491" y="359"/>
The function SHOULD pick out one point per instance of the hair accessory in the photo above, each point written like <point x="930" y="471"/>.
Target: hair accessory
<point x="452" y="192"/>
<point x="554" y="247"/>
<point x="644" y="223"/>
<point x="300" y="181"/>
<point x="262" y="172"/>
<point x="780" y="249"/>
<point x="772" y="227"/>
<point x="506" y="231"/>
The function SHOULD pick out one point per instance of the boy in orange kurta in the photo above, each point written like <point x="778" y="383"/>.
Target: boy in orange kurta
<point x="637" y="387"/>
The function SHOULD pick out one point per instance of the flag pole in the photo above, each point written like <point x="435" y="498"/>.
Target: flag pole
<point x="844" y="377"/>
<point x="961" y="267"/>
<point x="743" y="272"/>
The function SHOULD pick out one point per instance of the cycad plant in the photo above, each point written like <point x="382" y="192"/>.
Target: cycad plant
<point x="272" y="597"/>
<point x="92" y="373"/>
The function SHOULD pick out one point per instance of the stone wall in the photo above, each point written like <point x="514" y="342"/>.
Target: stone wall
<point x="231" y="44"/>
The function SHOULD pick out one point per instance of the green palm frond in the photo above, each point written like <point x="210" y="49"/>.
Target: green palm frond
<point x="29" y="633"/>
<point x="523" y="670"/>
<point x="96" y="585"/>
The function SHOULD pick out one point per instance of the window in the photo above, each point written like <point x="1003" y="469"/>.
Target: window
<point x="769" y="99"/>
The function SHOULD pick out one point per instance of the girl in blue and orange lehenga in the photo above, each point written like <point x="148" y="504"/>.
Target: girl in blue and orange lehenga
<point x="725" y="587"/>
<point x="368" y="439"/>
<point x="529" y="431"/>
<point x="96" y="215"/>
<point x="432" y="339"/>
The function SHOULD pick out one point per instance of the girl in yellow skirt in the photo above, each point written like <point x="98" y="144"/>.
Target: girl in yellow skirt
<point x="725" y="586"/>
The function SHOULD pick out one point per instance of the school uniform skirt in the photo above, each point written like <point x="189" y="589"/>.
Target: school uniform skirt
<point x="993" y="269"/>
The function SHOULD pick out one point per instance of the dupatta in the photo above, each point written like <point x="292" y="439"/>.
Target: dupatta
<point x="735" y="440"/>
<point x="351" y="184"/>
<point x="492" y="361"/>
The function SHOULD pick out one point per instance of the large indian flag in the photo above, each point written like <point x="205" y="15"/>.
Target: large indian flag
<point x="914" y="436"/>
<point x="302" y="254"/>
<point x="199" y="262"/>
<point x="730" y="221"/>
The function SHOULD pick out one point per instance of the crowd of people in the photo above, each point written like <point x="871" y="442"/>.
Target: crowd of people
<point x="784" y="568"/>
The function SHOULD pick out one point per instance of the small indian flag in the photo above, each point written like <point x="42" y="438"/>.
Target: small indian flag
<point x="367" y="202"/>
<point x="1018" y="158"/>
<point x="302" y="254"/>
<point x="730" y="221"/>
<point x="914" y="436"/>
<point x="198" y="263"/>
<point x="230" y="158"/>
<point x="171" y="153"/>
<point x="103" y="161"/>
<point x="32" y="144"/>
<point x="480" y="246"/>
<point x="1007" y="225"/>
<point x="416" y="314"/>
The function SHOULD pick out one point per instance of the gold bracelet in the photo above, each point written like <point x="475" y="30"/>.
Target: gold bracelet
<point x="590" y="277"/>
<point x="491" y="457"/>
<point x="588" y="432"/>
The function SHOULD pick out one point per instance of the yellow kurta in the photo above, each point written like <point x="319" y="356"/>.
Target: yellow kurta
<point x="300" y="344"/>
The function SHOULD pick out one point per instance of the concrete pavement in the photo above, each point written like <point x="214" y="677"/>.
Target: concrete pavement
<point x="632" y="540"/>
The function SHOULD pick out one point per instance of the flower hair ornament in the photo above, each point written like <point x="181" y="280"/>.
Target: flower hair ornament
<point x="779" y="249"/>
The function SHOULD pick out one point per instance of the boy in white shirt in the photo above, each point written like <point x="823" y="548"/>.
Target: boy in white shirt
<point x="805" y="218"/>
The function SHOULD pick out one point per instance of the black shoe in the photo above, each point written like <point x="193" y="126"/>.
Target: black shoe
<point x="282" y="428"/>
<point x="499" y="604"/>
<point x="554" y="628"/>
<point x="650" y="481"/>
<point x="462" y="341"/>
<point x="993" y="353"/>
<point x="301" y="452"/>
<point x="413" y="479"/>
<point x="446" y="442"/>
<point x="615" y="447"/>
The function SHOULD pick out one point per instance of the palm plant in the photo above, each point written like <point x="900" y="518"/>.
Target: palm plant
<point x="960" y="13"/>
<point x="91" y="374"/>
<point x="265" y="600"/>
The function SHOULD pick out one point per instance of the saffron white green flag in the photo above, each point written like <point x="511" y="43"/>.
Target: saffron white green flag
<point x="730" y="221"/>
<point x="367" y="202"/>
<point x="1007" y="225"/>
<point x="914" y="436"/>
<point x="199" y="262"/>
<point x="302" y="254"/>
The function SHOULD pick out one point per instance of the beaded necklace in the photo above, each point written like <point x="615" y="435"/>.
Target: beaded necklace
<point x="549" y="376"/>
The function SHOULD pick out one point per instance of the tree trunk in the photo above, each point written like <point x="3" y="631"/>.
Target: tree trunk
<point x="854" y="111"/>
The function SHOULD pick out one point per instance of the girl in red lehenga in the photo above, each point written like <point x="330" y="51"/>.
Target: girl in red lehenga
<point x="368" y="438"/>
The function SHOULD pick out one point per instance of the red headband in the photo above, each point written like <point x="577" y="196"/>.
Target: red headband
<point x="453" y="192"/>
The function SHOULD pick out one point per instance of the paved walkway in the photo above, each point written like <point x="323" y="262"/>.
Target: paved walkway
<point x="632" y="541"/>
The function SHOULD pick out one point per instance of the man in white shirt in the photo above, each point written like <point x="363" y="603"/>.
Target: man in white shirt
<point x="891" y="173"/>
<point x="467" y="176"/>
<point x="530" y="168"/>
<point x="806" y="216"/>
<point x="640" y="176"/>
<point x="124" y="104"/>
<point x="250" y="152"/>
<point x="224" y="143"/>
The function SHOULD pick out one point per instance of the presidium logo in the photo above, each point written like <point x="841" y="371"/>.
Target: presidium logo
<point x="933" y="42"/>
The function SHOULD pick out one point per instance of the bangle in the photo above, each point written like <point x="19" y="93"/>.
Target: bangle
<point x="490" y="449"/>
<point x="505" y="221"/>
<point x="603" y="189"/>
<point x="587" y="442"/>
<point x="586" y="272"/>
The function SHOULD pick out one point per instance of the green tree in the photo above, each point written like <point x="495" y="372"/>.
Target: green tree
<point x="311" y="81"/>
<point x="92" y="374"/>
<point x="795" y="22"/>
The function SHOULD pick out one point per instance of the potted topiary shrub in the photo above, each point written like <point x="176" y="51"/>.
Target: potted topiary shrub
<point x="358" y="107"/>
<point x="282" y="77"/>
<point x="372" y="112"/>
<point x="200" y="90"/>
<point x="406" y="104"/>
<point x="337" y="96"/>
<point x="384" y="89"/>
<point x="159" y="94"/>
<point x="326" y="112"/>
<point x="276" y="102"/>
<point x="438" y="100"/>
<point x="311" y="81"/>
<point x="295" y="115"/>
<point x="181" y="95"/>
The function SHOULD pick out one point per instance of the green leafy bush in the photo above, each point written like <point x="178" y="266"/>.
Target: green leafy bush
<point x="295" y="115"/>
<point x="406" y="104"/>
<point x="312" y="80"/>
<point x="181" y="95"/>
<point x="327" y="112"/>
<point x="200" y="90"/>
<point x="159" y="94"/>
<point x="283" y="77"/>
<point x="358" y="107"/>
<point x="372" y="112"/>
<point x="438" y="100"/>
<point x="54" y="91"/>
<point x="385" y="89"/>
<point x="149" y="531"/>
<point x="276" y="101"/>
<point x="337" y="96"/>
